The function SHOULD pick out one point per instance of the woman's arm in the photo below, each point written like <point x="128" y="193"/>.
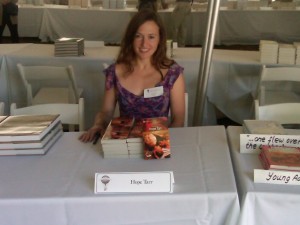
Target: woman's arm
<point x="177" y="103"/>
<point x="102" y="118"/>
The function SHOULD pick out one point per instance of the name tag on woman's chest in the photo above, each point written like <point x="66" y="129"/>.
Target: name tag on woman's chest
<point x="153" y="92"/>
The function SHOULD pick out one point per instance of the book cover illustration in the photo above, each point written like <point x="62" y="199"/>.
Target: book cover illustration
<point x="118" y="130"/>
<point x="281" y="158"/>
<point x="156" y="138"/>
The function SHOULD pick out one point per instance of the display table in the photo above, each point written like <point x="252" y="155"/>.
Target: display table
<point x="234" y="26"/>
<point x="58" y="188"/>
<point x="233" y="80"/>
<point x="261" y="203"/>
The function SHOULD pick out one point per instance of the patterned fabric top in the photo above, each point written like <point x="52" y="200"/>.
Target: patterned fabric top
<point x="132" y="105"/>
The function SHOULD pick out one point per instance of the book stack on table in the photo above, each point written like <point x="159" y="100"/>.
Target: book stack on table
<point x="130" y="138"/>
<point x="119" y="142"/>
<point x="28" y="134"/>
<point x="280" y="158"/>
<point x="286" y="54"/>
<point x="69" y="47"/>
<point x="268" y="51"/>
<point x="263" y="127"/>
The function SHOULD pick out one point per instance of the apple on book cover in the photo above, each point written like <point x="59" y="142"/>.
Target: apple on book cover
<point x="156" y="138"/>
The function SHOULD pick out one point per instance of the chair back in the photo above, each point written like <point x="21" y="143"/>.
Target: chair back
<point x="48" y="74"/>
<point x="284" y="113"/>
<point x="70" y="114"/>
<point x="277" y="74"/>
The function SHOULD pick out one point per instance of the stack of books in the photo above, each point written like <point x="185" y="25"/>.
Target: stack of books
<point x="263" y="127"/>
<point x="280" y="158"/>
<point x="28" y="134"/>
<point x="253" y="4"/>
<point x="297" y="47"/>
<point x="130" y="138"/>
<point x="286" y="54"/>
<point x="268" y="51"/>
<point x="121" y="139"/>
<point x="69" y="47"/>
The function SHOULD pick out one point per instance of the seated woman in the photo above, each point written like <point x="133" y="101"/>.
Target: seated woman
<point x="143" y="80"/>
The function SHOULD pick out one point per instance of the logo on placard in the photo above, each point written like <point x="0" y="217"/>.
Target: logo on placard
<point x="105" y="180"/>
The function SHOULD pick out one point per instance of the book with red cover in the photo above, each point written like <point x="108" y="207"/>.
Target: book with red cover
<point x="280" y="158"/>
<point x="156" y="138"/>
<point x="118" y="130"/>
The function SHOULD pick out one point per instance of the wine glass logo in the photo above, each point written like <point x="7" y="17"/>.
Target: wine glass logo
<point x="105" y="180"/>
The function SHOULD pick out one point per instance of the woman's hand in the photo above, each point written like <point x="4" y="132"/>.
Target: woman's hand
<point x="91" y="134"/>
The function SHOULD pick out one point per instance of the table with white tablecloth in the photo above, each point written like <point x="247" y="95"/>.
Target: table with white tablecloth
<point x="49" y="22"/>
<point x="234" y="76"/>
<point x="274" y="204"/>
<point x="58" y="188"/>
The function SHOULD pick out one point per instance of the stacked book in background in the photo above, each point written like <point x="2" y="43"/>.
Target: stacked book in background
<point x="130" y="138"/>
<point x="268" y="51"/>
<point x="28" y="134"/>
<point x="286" y="54"/>
<point x="69" y="47"/>
<point x="297" y="47"/>
<point x="280" y="158"/>
<point x="263" y="127"/>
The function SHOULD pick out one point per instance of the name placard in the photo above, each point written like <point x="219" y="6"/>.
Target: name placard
<point x="277" y="177"/>
<point x="127" y="182"/>
<point x="251" y="143"/>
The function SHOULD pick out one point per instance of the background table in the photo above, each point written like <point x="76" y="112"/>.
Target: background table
<point x="57" y="188"/>
<point x="234" y="77"/>
<point x="232" y="83"/>
<point x="234" y="26"/>
<point x="261" y="203"/>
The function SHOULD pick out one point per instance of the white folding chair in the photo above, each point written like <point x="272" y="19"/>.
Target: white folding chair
<point x="2" y="108"/>
<point x="56" y="84"/>
<point x="284" y="113"/>
<point x="277" y="76"/>
<point x="70" y="113"/>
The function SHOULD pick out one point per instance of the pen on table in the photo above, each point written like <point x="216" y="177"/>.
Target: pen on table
<point x="96" y="138"/>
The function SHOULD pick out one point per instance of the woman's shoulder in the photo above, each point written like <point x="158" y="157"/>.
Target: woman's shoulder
<point x="176" y="69"/>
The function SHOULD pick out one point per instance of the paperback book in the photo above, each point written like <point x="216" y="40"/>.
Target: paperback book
<point x="280" y="158"/>
<point x="156" y="138"/>
<point x="26" y="127"/>
<point x="262" y="127"/>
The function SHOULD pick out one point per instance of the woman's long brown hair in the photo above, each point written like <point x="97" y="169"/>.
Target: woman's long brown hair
<point x="127" y="55"/>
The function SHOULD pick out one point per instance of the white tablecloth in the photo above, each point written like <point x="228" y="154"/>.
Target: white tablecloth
<point x="58" y="188"/>
<point x="233" y="78"/>
<point x="261" y="203"/>
<point x="234" y="26"/>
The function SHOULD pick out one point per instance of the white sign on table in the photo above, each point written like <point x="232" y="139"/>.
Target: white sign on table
<point x="252" y="143"/>
<point x="126" y="182"/>
<point x="276" y="177"/>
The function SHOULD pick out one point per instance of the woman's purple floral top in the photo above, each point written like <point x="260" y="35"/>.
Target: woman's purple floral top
<point x="132" y="105"/>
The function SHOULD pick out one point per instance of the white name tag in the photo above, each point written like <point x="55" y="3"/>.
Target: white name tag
<point x="251" y="143"/>
<point x="153" y="92"/>
<point x="134" y="182"/>
<point x="277" y="177"/>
